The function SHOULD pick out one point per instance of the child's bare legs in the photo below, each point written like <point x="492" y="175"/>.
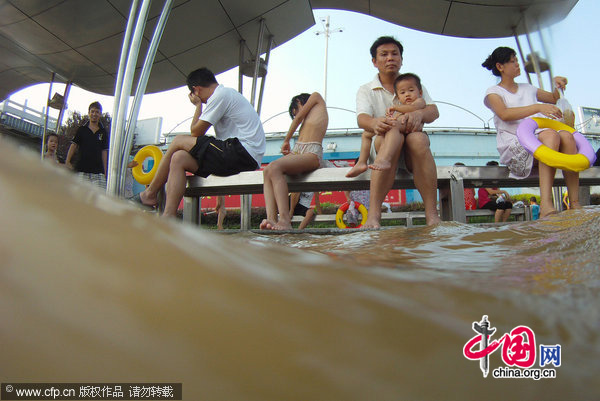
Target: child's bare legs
<point x="269" y="195"/>
<point x="310" y="216"/>
<point x="502" y="215"/>
<point x="181" y="142"/>
<point x="365" y="150"/>
<point x="221" y="211"/>
<point x="391" y="141"/>
<point x="270" y="202"/>
<point x="569" y="146"/>
<point x="498" y="215"/>
<point x="276" y="189"/>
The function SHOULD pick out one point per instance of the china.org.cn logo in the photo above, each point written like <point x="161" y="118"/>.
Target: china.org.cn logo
<point x="519" y="353"/>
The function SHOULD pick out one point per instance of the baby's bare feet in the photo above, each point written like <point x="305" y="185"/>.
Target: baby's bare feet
<point x="380" y="165"/>
<point x="358" y="169"/>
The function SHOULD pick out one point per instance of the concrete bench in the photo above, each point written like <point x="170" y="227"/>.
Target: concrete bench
<point x="452" y="180"/>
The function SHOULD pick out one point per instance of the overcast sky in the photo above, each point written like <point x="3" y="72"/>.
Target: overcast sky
<point x="449" y="67"/>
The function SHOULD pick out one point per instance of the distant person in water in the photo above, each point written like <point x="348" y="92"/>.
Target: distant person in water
<point x="511" y="103"/>
<point x="239" y="144"/>
<point x="307" y="155"/>
<point x="300" y="205"/>
<point x="51" y="146"/>
<point x="469" y="194"/>
<point x="497" y="200"/>
<point x="535" y="208"/>
<point x="409" y="97"/>
<point x="221" y="211"/>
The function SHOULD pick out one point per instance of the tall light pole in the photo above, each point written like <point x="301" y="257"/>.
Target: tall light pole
<point x="327" y="32"/>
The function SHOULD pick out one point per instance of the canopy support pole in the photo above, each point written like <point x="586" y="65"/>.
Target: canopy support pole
<point x="241" y="62"/>
<point x="522" y="56"/>
<point x="547" y="56"/>
<point x="534" y="59"/>
<point x="139" y="93"/>
<point x="261" y="33"/>
<point x="246" y="200"/>
<point x="43" y="147"/>
<point x="263" y="79"/>
<point x="115" y="142"/>
<point x="130" y="53"/>
<point x="64" y="105"/>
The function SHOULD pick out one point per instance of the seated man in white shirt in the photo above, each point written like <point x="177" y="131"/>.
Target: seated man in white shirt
<point x="413" y="153"/>
<point x="239" y="144"/>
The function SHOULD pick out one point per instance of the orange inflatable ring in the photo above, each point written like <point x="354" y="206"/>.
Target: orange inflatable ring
<point x="149" y="151"/>
<point x="339" y="216"/>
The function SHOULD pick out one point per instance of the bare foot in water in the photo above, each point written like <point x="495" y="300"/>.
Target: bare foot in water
<point x="148" y="200"/>
<point x="380" y="165"/>
<point x="373" y="221"/>
<point x="266" y="225"/>
<point x="282" y="226"/>
<point x="547" y="212"/>
<point x="371" y="225"/>
<point x="358" y="169"/>
<point x="432" y="218"/>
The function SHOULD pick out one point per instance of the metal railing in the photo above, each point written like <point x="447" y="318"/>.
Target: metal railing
<point x="24" y="118"/>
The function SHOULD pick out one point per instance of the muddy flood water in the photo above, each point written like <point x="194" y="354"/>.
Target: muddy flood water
<point x="94" y="290"/>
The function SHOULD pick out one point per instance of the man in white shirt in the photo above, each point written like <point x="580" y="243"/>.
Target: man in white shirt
<point x="239" y="144"/>
<point x="372" y="101"/>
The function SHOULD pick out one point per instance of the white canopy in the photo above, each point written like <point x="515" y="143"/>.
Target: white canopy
<point x="81" y="40"/>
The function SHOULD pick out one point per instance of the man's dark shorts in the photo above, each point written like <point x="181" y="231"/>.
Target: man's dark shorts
<point x="221" y="158"/>
<point x="300" y="210"/>
<point x="493" y="206"/>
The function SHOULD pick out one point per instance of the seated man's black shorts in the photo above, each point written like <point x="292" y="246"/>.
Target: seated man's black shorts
<point x="300" y="210"/>
<point x="493" y="205"/>
<point x="221" y="158"/>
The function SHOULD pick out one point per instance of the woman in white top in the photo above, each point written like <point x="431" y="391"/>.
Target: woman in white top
<point x="512" y="102"/>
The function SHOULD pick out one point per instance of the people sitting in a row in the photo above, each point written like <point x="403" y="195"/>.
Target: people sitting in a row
<point x="399" y="139"/>
<point x="496" y="200"/>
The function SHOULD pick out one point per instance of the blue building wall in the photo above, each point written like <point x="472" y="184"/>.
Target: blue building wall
<point x="469" y="146"/>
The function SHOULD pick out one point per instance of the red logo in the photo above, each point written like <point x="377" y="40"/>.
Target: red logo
<point x="518" y="346"/>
